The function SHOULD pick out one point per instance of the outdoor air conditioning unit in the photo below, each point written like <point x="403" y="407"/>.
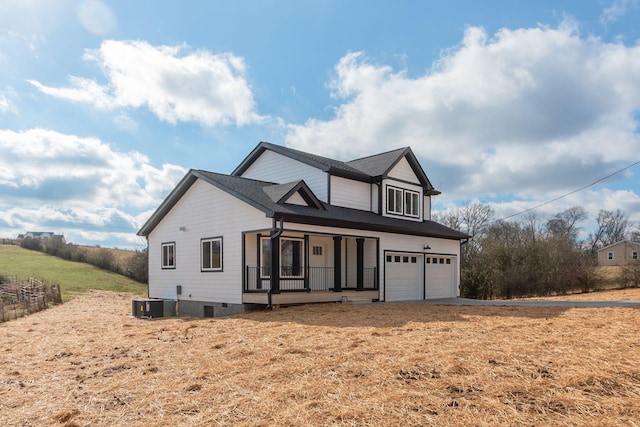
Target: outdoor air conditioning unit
<point x="148" y="308"/>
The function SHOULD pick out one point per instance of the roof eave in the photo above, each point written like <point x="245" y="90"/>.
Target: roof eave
<point x="310" y="220"/>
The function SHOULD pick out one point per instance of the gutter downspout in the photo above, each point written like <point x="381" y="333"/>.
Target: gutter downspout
<point x="275" y="233"/>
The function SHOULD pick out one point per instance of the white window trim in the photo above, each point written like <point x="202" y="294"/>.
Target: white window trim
<point x="210" y="240"/>
<point x="396" y="191"/>
<point x="164" y="261"/>
<point x="610" y="256"/>
<point x="415" y="202"/>
<point x="404" y="206"/>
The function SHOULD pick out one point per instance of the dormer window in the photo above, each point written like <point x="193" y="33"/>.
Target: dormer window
<point x="401" y="201"/>
<point x="394" y="200"/>
<point x="412" y="203"/>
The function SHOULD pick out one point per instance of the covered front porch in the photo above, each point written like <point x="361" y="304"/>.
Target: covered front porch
<point x="292" y="267"/>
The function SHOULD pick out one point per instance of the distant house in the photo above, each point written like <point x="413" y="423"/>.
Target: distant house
<point x="291" y="227"/>
<point x="623" y="252"/>
<point x="41" y="235"/>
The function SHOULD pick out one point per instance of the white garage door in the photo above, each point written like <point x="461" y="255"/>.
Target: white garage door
<point x="440" y="280"/>
<point x="403" y="276"/>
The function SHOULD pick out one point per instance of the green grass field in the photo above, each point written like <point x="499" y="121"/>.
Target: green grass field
<point x="73" y="277"/>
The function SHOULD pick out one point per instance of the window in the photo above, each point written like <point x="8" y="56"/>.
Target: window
<point x="317" y="250"/>
<point x="265" y="257"/>
<point x="610" y="256"/>
<point x="169" y="255"/>
<point x="291" y="257"/>
<point x="394" y="200"/>
<point x="403" y="202"/>
<point x="211" y="251"/>
<point x="411" y="203"/>
<point x="634" y="255"/>
<point x="414" y="260"/>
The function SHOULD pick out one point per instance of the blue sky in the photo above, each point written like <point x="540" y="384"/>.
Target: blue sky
<point x="104" y="105"/>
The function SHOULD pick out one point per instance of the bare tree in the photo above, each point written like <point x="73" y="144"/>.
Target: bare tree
<point x="565" y="223"/>
<point x="612" y="227"/>
<point x="473" y="219"/>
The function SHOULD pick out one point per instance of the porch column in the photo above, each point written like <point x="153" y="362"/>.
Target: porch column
<point x="360" y="264"/>
<point x="275" y="263"/>
<point x="337" y="263"/>
<point x="306" y="262"/>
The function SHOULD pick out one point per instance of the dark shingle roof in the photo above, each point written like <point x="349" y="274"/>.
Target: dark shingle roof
<point x="324" y="163"/>
<point x="378" y="164"/>
<point x="367" y="169"/>
<point x="263" y="196"/>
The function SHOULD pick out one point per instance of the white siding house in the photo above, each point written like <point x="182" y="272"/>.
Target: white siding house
<point x="292" y="227"/>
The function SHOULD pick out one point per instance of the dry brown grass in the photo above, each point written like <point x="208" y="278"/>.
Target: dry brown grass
<point x="88" y="362"/>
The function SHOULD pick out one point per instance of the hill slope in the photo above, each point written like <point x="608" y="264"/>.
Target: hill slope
<point x="73" y="277"/>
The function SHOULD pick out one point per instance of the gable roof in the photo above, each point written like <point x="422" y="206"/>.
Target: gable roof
<point x="380" y="165"/>
<point x="280" y="193"/>
<point x="367" y="169"/>
<point x="270" y="198"/>
<point x="335" y="167"/>
<point x="625" y="241"/>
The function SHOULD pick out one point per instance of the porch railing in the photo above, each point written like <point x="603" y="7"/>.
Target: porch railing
<point x="303" y="279"/>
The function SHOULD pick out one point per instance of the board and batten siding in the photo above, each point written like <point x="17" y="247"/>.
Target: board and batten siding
<point x="426" y="208"/>
<point x="403" y="171"/>
<point x="350" y="194"/>
<point x="274" y="167"/>
<point x="204" y="211"/>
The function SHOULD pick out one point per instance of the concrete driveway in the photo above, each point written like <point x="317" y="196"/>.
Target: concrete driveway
<point x="528" y="303"/>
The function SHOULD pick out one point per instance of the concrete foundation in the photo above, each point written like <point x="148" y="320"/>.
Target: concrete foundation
<point x="202" y="308"/>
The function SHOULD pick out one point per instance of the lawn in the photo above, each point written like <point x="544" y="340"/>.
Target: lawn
<point x="73" y="277"/>
<point x="88" y="362"/>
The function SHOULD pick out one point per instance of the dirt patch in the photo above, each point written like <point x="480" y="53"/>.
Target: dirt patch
<point x="88" y="362"/>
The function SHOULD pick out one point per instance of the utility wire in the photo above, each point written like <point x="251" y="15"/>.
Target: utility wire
<point x="572" y="192"/>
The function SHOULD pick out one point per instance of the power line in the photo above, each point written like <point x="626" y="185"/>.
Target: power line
<point x="572" y="192"/>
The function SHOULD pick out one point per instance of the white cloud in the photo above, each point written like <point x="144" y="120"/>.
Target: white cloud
<point x="521" y="113"/>
<point x="97" y="18"/>
<point x="210" y="89"/>
<point x="76" y="184"/>
<point x="5" y="105"/>
<point x="616" y="10"/>
<point x="125" y="122"/>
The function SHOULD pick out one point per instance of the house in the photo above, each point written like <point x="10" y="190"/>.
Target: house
<point x="623" y="252"/>
<point x="288" y="227"/>
<point x="41" y="235"/>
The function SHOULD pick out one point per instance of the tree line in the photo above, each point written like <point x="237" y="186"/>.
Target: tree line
<point x="538" y="256"/>
<point x="134" y="266"/>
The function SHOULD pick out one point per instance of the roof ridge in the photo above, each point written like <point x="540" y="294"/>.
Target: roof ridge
<point x="378" y="154"/>
<point x="236" y="177"/>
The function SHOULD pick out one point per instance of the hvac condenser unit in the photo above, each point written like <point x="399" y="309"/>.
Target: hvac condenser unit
<point x="148" y="308"/>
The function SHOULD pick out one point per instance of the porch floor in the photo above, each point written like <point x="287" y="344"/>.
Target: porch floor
<point x="348" y="296"/>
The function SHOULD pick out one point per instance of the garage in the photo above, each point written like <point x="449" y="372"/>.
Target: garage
<point x="403" y="276"/>
<point x="440" y="274"/>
